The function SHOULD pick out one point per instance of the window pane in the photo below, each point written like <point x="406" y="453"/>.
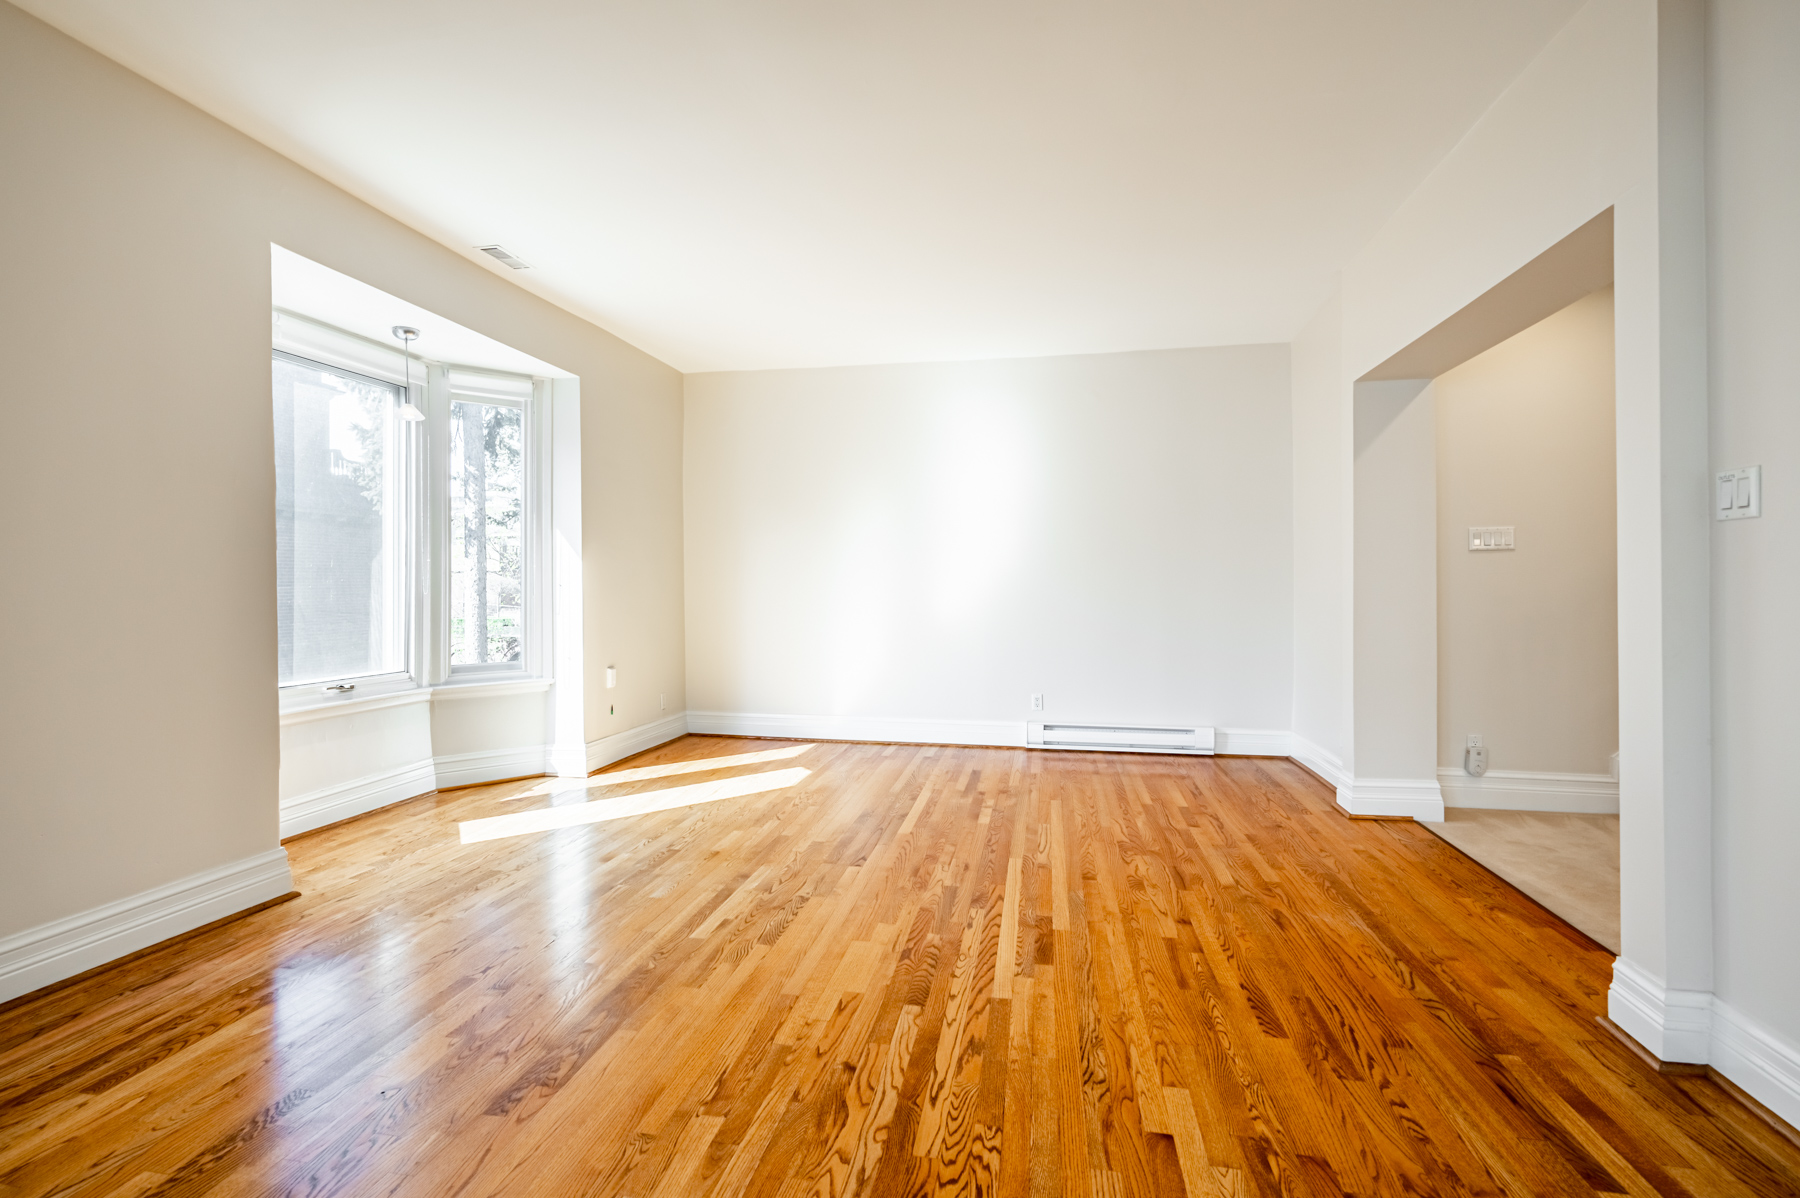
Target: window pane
<point x="487" y="509"/>
<point x="337" y="542"/>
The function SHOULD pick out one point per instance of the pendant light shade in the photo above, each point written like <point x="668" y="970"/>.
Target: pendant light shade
<point x="407" y="335"/>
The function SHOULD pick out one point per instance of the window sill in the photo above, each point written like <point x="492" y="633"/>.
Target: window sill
<point x="324" y="709"/>
<point x="478" y="689"/>
<point x="489" y="687"/>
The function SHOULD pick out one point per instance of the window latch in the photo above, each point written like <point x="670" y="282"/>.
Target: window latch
<point x="342" y="688"/>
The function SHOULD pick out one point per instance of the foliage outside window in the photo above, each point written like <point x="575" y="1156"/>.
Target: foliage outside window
<point x="338" y="565"/>
<point x="487" y="533"/>
<point x="402" y="546"/>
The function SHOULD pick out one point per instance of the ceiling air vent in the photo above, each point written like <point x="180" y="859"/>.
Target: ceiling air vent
<point x="1120" y="738"/>
<point x="500" y="253"/>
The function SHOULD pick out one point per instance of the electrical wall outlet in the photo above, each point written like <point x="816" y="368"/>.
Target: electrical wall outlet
<point x="1037" y="702"/>
<point x="1475" y="760"/>
<point x="1474" y="741"/>
<point x="662" y="702"/>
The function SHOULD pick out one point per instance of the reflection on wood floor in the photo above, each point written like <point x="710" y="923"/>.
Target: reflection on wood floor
<point x="913" y="971"/>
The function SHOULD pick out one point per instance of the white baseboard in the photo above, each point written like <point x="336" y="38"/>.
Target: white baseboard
<point x="1003" y="734"/>
<point x="567" y="761"/>
<point x="1518" y="790"/>
<point x="1698" y="1027"/>
<point x="620" y="745"/>
<point x="1675" y="1025"/>
<point x="885" y="730"/>
<point x="1319" y="760"/>
<point x="1250" y="742"/>
<point x="1393" y="798"/>
<point x="329" y="804"/>
<point x="489" y="765"/>
<point x="36" y="957"/>
<point x="1764" y="1065"/>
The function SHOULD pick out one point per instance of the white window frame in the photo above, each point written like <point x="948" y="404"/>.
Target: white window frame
<point x="445" y="383"/>
<point x="426" y="518"/>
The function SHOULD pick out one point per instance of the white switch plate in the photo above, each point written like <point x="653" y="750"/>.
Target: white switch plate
<point x="1491" y="537"/>
<point x="1737" y="494"/>
<point x="612" y="676"/>
<point x="1037" y="702"/>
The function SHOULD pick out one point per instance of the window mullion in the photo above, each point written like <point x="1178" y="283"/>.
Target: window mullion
<point x="436" y="525"/>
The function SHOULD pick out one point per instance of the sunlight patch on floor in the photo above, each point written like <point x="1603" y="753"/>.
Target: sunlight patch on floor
<point x="565" y="786"/>
<point x="520" y="823"/>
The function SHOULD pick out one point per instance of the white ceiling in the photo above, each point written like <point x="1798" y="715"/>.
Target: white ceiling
<point x="747" y="185"/>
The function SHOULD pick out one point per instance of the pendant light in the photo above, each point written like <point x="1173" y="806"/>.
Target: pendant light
<point x="408" y="335"/>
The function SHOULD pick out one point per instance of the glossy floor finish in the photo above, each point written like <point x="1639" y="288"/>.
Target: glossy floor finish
<point x="911" y="971"/>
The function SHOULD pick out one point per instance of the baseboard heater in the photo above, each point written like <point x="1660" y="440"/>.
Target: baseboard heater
<point x="1120" y="738"/>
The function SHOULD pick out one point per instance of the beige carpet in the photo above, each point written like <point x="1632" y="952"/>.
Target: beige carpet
<point x="1569" y="863"/>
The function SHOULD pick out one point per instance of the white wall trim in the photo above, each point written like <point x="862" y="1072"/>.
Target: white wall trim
<point x="489" y="765"/>
<point x="620" y="745"/>
<point x="1763" y="1064"/>
<point x="1519" y="790"/>
<point x="1393" y="798"/>
<point x="333" y="708"/>
<point x="1319" y="760"/>
<point x="1675" y="1025"/>
<point x="568" y="761"/>
<point x="478" y="687"/>
<point x="1252" y="742"/>
<point x="1004" y="734"/>
<point x="1697" y="1027"/>
<point x="37" y="957"/>
<point x="329" y="804"/>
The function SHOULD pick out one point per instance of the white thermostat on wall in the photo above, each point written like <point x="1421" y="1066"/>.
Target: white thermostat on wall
<point x="1737" y="494"/>
<point x="1494" y="536"/>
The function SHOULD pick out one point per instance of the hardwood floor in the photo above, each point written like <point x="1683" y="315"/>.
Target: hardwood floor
<point x="914" y="971"/>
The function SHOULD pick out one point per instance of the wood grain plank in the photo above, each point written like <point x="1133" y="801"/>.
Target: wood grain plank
<point x="919" y="970"/>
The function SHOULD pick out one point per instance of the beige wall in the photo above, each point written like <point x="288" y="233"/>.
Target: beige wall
<point x="1394" y="528"/>
<point x="138" y="735"/>
<point x="1754" y="251"/>
<point x="938" y="542"/>
<point x="1528" y="638"/>
<point x="1607" y="115"/>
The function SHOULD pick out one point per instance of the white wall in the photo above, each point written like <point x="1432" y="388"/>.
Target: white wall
<point x="1614" y="113"/>
<point x="1575" y="134"/>
<point x="938" y="542"/>
<point x="1396" y="596"/>
<point x="1324" y="534"/>
<point x="138" y="730"/>
<point x="1528" y="641"/>
<point x="1754" y="196"/>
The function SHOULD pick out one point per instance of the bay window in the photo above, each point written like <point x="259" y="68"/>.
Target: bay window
<point x="339" y="538"/>
<point x="487" y="532"/>
<point x="405" y="549"/>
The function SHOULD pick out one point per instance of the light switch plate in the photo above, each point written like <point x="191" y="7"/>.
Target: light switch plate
<point x="1737" y="494"/>
<point x="1490" y="537"/>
